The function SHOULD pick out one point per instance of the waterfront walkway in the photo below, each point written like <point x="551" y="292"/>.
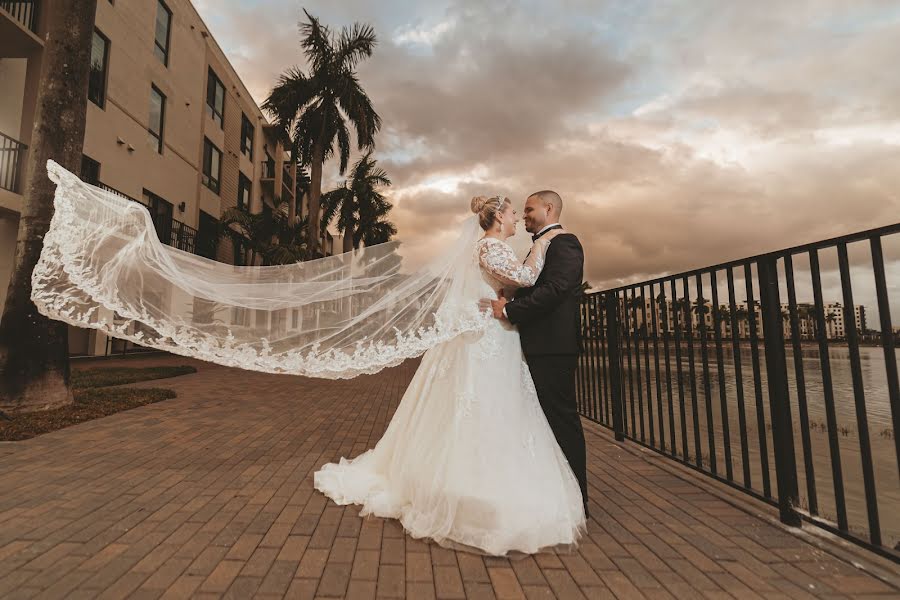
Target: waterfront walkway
<point x="210" y="495"/>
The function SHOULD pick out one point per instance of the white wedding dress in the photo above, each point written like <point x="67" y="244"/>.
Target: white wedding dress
<point x="468" y="459"/>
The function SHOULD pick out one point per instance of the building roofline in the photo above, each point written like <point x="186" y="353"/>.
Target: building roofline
<point x="210" y="38"/>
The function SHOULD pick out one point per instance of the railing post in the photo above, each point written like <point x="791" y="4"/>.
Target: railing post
<point x="615" y="365"/>
<point x="779" y="399"/>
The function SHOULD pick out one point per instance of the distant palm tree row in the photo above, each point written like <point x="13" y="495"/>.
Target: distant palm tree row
<point x="314" y="111"/>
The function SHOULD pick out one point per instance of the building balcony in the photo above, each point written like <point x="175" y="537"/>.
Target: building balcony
<point x="18" y="28"/>
<point x="171" y="232"/>
<point x="12" y="163"/>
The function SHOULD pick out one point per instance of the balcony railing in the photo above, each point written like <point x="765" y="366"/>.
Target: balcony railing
<point x="288" y="180"/>
<point x="171" y="232"/>
<point x="183" y="237"/>
<point x="23" y="11"/>
<point x="12" y="163"/>
<point x="737" y="402"/>
<point x="118" y="193"/>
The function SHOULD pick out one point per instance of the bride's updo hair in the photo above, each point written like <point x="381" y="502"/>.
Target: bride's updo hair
<point x="487" y="209"/>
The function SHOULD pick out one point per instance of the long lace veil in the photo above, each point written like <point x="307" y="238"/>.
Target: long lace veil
<point x="103" y="267"/>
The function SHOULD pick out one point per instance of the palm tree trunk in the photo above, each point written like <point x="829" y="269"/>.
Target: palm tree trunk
<point x="315" y="198"/>
<point x="34" y="351"/>
<point x="348" y="240"/>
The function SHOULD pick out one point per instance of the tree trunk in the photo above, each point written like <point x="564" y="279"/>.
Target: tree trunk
<point x="34" y="350"/>
<point x="315" y="197"/>
<point x="348" y="240"/>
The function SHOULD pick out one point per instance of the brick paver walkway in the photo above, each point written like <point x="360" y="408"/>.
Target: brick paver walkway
<point x="210" y="495"/>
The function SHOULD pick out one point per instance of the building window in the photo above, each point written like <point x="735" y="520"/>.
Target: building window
<point x="157" y="118"/>
<point x="90" y="170"/>
<point x="207" y="235"/>
<point x="212" y="165"/>
<point x="247" y="132"/>
<point x="215" y="98"/>
<point x="244" y="187"/>
<point x="163" y="30"/>
<point x="161" y="214"/>
<point x="99" y="64"/>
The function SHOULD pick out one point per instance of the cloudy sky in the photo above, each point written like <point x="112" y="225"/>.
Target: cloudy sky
<point x="680" y="133"/>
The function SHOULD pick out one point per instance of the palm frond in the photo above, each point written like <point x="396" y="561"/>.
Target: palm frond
<point x="358" y="106"/>
<point x="316" y="42"/>
<point x="355" y="44"/>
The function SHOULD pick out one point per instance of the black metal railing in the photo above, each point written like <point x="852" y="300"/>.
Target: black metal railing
<point x="23" y="11"/>
<point x="183" y="237"/>
<point x="778" y="348"/>
<point x="113" y="190"/>
<point x="12" y="163"/>
<point x="171" y="232"/>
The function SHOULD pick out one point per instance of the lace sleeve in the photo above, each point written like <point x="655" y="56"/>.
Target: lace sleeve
<point x="499" y="259"/>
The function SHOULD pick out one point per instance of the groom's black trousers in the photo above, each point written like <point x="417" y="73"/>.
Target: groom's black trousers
<point x="554" y="379"/>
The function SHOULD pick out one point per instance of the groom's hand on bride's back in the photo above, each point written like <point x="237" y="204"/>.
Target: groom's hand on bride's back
<point x="495" y="306"/>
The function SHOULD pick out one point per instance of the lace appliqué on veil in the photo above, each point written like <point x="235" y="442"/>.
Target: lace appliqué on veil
<point x="61" y="261"/>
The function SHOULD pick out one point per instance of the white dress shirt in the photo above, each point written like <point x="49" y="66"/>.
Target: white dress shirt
<point x="547" y="227"/>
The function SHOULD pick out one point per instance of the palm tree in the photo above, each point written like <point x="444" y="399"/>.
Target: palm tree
<point x="373" y="229"/>
<point x="806" y="314"/>
<point x="270" y="235"/>
<point x="724" y="319"/>
<point x="358" y="204"/>
<point x="313" y="109"/>
<point x="34" y="350"/>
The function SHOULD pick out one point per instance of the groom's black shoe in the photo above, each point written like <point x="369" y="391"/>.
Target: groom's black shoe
<point x="587" y="513"/>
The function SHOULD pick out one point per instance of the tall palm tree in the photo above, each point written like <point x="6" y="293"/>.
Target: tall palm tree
<point x="34" y="350"/>
<point x="359" y="205"/>
<point x="314" y="108"/>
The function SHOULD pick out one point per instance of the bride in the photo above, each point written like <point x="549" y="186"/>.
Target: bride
<point x="469" y="458"/>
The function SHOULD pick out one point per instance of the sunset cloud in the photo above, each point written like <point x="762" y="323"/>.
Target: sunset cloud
<point x="680" y="134"/>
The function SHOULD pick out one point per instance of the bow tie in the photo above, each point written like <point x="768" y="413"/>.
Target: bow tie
<point x="537" y="236"/>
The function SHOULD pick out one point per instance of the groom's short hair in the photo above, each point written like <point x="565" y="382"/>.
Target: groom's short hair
<point x="550" y="197"/>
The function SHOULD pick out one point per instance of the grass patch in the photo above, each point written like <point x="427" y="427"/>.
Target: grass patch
<point x="91" y="403"/>
<point x="93" y="399"/>
<point x="102" y="377"/>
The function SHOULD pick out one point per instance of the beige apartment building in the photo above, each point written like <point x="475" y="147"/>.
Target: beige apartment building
<point x="169" y="125"/>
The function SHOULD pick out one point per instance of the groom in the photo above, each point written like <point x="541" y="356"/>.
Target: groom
<point x="547" y="315"/>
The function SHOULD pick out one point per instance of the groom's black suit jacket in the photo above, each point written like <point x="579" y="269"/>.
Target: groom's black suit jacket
<point x="547" y="313"/>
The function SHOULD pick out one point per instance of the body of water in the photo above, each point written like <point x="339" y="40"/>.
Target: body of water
<point x="642" y="393"/>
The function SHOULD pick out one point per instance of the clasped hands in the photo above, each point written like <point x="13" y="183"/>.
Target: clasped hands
<point x="495" y="306"/>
